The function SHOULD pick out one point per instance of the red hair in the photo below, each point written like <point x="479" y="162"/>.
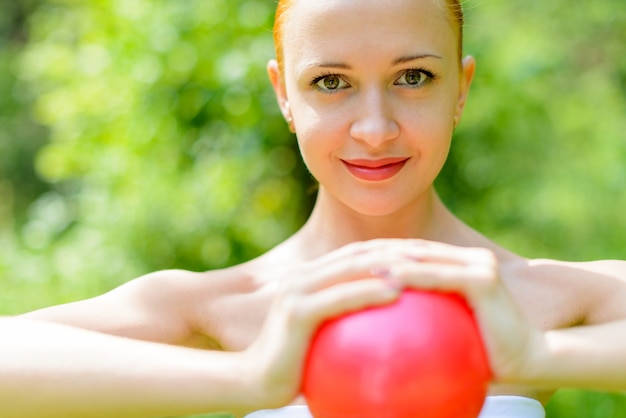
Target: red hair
<point x="455" y="11"/>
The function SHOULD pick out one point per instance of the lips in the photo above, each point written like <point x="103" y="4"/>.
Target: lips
<point x="375" y="170"/>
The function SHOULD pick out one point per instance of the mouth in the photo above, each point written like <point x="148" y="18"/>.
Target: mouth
<point x="375" y="170"/>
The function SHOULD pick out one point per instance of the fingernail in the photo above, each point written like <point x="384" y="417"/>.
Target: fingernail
<point x="387" y="274"/>
<point x="383" y="272"/>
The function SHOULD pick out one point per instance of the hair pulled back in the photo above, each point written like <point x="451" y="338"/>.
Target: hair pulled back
<point x="455" y="13"/>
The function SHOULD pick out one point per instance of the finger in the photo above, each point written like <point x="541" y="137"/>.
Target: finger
<point x="444" y="277"/>
<point x="419" y="249"/>
<point x="341" y="299"/>
<point x="443" y="253"/>
<point x="349" y="268"/>
<point x="362" y="247"/>
<point x="410" y="246"/>
<point x="374" y="258"/>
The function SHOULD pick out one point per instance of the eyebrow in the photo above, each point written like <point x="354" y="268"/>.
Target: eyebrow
<point x="327" y="65"/>
<point x="409" y="58"/>
<point x="397" y="61"/>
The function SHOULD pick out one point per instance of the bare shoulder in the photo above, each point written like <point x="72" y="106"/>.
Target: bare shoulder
<point x="609" y="268"/>
<point x="174" y="287"/>
<point x="598" y="274"/>
<point x="160" y="306"/>
<point x="592" y="291"/>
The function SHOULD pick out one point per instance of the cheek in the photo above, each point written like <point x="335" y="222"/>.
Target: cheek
<point x="312" y="138"/>
<point x="428" y="128"/>
<point x="322" y="125"/>
<point x="320" y="138"/>
<point x="438" y="115"/>
<point x="433" y="121"/>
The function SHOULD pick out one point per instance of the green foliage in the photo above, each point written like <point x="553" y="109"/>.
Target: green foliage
<point x="141" y="135"/>
<point x="538" y="161"/>
<point x="569" y="403"/>
<point x="165" y="148"/>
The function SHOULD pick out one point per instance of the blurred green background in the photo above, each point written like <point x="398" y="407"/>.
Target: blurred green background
<point x="140" y="135"/>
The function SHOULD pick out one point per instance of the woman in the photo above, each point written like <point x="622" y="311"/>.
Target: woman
<point x="373" y="91"/>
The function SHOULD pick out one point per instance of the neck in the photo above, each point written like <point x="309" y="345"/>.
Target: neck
<point x="332" y="224"/>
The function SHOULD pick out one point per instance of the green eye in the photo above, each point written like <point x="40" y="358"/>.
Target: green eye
<point x="330" y="82"/>
<point x="414" y="78"/>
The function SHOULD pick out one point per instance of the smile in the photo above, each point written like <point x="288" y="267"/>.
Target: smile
<point x="375" y="170"/>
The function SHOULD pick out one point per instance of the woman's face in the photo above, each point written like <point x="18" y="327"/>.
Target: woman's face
<point x="373" y="89"/>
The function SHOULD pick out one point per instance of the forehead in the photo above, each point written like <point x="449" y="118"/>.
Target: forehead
<point x="339" y="29"/>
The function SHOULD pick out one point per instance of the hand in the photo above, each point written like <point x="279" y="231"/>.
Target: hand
<point x="509" y="338"/>
<point x="339" y="282"/>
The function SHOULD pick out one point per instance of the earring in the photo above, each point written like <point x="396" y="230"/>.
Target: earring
<point x="456" y="120"/>
<point x="289" y="118"/>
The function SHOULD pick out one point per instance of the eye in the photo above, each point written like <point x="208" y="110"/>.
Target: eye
<point x="330" y="82"/>
<point x="414" y="78"/>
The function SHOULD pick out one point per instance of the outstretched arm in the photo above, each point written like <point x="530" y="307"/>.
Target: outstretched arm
<point x="53" y="370"/>
<point x="589" y="356"/>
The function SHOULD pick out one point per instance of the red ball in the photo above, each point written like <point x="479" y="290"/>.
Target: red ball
<point x="419" y="357"/>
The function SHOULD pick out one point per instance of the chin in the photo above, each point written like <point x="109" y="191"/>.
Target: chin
<point x="378" y="209"/>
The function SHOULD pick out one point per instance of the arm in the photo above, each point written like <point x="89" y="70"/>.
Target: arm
<point x="51" y="370"/>
<point x="590" y="356"/>
<point x="147" y="308"/>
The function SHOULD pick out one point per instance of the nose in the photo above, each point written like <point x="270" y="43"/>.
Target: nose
<point x="375" y="123"/>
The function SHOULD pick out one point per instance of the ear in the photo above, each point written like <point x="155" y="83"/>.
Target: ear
<point x="468" y="67"/>
<point x="278" y="83"/>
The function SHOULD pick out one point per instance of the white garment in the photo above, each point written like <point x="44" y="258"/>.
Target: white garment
<point x="494" y="407"/>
